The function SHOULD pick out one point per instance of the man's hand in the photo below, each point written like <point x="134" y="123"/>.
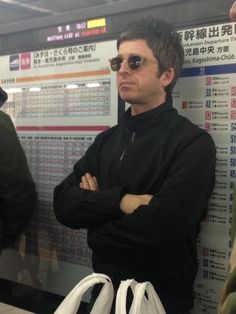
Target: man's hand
<point x="130" y="202"/>
<point x="89" y="182"/>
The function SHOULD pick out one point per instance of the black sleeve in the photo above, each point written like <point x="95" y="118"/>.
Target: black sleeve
<point x="17" y="189"/>
<point x="79" y="208"/>
<point x="180" y="204"/>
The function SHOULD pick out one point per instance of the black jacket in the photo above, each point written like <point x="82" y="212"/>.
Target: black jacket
<point x="157" y="152"/>
<point x="17" y="189"/>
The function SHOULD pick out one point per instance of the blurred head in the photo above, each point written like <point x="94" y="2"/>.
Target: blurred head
<point x="164" y="42"/>
<point x="3" y="96"/>
<point x="232" y="12"/>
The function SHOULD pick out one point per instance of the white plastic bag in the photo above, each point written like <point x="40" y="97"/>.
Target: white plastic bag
<point x="121" y="295"/>
<point x="141" y="304"/>
<point x="103" y="303"/>
<point x="146" y="304"/>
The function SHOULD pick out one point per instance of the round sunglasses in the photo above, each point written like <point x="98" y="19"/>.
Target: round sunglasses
<point x="134" y="62"/>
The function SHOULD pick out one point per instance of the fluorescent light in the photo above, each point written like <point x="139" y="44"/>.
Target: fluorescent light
<point x="13" y="90"/>
<point x="35" y="89"/>
<point x="95" y="84"/>
<point x="71" y="86"/>
<point x="28" y="6"/>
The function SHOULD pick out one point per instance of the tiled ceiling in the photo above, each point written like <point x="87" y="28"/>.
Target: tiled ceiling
<point x="21" y="15"/>
<point x="15" y="11"/>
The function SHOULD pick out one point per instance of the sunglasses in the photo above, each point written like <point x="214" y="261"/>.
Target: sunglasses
<point x="134" y="62"/>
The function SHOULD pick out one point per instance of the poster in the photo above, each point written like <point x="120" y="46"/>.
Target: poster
<point x="59" y="100"/>
<point x="206" y="94"/>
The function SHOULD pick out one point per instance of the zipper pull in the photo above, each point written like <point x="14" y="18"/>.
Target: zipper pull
<point x="133" y="137"/>
<point x="132" y="140"/>
<point x="122" y="155"/>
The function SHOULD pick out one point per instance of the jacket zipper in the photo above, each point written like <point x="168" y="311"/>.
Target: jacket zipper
<point x="133" y="135"/>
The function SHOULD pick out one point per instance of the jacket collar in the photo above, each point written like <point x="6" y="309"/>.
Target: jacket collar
<point x="146" y="119"/>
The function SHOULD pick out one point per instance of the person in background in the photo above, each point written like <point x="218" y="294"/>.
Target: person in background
<point x="17" y="189"/>
<point x="232" y="12"/>
<point x="143" y="186"/>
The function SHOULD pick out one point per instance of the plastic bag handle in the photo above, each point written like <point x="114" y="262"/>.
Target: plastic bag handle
<point x="121" y="295"/>
<point x="104" y="300"/>
<point x="143" y="304"/>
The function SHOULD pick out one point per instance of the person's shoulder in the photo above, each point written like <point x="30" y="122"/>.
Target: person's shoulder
<point x="4" y="116"/>
<point x="186" y="124"/>
<point x="5" y="120"/>
<point x="107" y="133"/>
<point x="101" y="139"/>
<point x="190" y="131"/>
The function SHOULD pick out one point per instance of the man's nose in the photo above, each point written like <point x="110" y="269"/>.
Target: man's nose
<point x="124" y="67"/>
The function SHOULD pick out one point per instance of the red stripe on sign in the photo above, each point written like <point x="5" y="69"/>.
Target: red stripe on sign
<point x="64" y="128"/>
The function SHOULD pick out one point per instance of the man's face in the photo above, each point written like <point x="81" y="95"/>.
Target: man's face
<point x="142" y="86"/>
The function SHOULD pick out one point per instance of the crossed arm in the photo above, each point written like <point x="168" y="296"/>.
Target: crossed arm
<point x="129" y="202"/>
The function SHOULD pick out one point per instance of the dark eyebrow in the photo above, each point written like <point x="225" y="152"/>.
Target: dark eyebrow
<point x="130" y="55"/>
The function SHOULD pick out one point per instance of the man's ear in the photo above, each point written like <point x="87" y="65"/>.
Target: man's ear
<point x="167" y="77"/>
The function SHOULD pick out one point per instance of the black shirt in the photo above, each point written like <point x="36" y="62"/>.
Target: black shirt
<point x="157" y="152"/>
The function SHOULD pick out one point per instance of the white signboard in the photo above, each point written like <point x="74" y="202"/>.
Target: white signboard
<point x="206" y="94"/>
<point x="59" y="100"/>
<point x="67" y="95"/>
